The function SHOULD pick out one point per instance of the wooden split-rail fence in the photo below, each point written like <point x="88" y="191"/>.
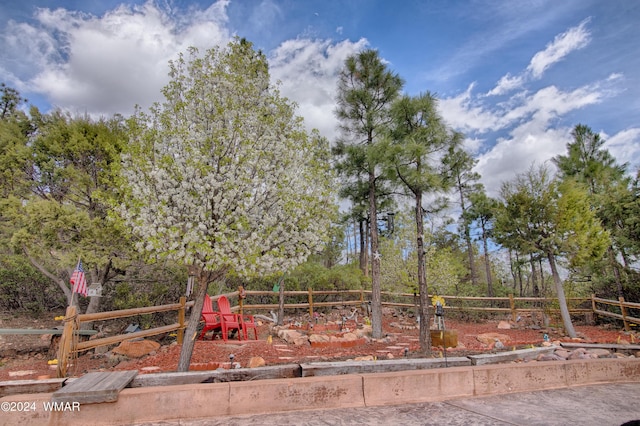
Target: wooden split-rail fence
<point x="310" y="300"/>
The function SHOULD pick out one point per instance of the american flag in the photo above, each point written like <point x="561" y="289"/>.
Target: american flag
<point x="78" y="280"/>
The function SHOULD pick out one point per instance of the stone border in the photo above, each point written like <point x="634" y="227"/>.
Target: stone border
<point x="210" y="400"/>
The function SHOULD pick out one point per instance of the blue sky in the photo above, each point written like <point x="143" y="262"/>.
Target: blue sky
<point x="515" y="77"/>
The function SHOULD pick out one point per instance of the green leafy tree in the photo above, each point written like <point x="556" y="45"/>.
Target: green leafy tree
<point x="420" y="140"/>
<point x="464" y="181"/>
<point x="71" y="170"/>
<point x="554" y="218"/>
<point x="590" y="164"/>
<point x="482" y="211"/>
<point x="223" y="177"/>
<point x="366" y="90"/>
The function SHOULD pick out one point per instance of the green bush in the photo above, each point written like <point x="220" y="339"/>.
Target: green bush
<point x="24" y="288"/>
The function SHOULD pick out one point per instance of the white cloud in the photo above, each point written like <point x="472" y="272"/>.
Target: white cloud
<point x="466" y="114"/>
<point x="526" y="145"/>
<point x="529" y="119"/>
<point x="506" y="84"/>
<point x="625" y="147"/>
<point x="112" y="62"/>
<point x="105" y="64"/>
<point x="573" y="39"/>
<point x="565" y="43"/>
<point x="308" y="70"/>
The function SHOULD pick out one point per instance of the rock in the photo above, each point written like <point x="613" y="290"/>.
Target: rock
<point x="349" y="337"/>
<point x="600" y="353"/>
<point x="489" y="338"/>
<point x="101" y="350"/>
<point x="256" y="361"/>
<point x="150" y="369"/>
<point x="291" y="336"/>
<point x="580" y="353"/>
<point x="301" y="340"/>
<point x="498" y="345"/>
<point x="550" y="357"/>
<point x="21" y="373"/>
<point x="390" y="356"/>
<point x="504" y="325"/>
<point x="364" y="358"/>
<point x="318" y="338"/>
<point x="562" y="353"/>
<point x="136" y="348"/>
<point x="365" y="331"/>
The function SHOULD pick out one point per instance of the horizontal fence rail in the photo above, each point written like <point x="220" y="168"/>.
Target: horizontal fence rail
<point x="69" y="343"/>
<point x="620" y="306"/>
<point x="508" y="305"/>
<point x="312" y="299"/>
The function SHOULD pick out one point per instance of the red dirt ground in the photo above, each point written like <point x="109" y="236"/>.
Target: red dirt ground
<point x="207" y="354"/>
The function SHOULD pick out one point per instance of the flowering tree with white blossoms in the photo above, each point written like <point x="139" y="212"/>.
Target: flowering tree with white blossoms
<point x="223" y="177"/>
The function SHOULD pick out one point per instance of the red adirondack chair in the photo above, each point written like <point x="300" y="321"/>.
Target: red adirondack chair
<point x="247" y="322"/>
<point x="212" y="319"/>
<point x="230" y="321"/>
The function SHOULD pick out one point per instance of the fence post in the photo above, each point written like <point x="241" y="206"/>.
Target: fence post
<point x="311" y="303"/>
<point x="66" y="341"/>
<point x="181" y="310"/>
<point x="512" y="304"/>
<point x="623" y="311"/>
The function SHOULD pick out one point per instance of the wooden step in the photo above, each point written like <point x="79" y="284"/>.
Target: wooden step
<point x="95" y="387"/>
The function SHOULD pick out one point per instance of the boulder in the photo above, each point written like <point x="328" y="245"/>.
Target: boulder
<point x="136" y="348"/>
<point x="364" y="358"/>
<point x="290" y="336"/>
<point x="489" y="338"/>
<point x="550" y="357"/>
<point x="256" y="361"/>
<point x="349" y="337"/>
<point x="504" y="325"/>
<point x="599" y="353"/>
<point x="318" y="338"/>
<point x="580" y="353"/>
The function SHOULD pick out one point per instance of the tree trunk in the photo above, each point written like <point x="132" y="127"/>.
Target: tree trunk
<point x="376" y="296"/>
<point x="363" y="250"/>
<point x="562" y="300"/>
<point x="534" y="276"/>
<point x="425" y="335"/>
<point x="616" y="271"/>
<point x="191" y="332"/>
<point x="281" y="303"/>
<point x="467" y="237"/>
<point x="487" y="263"/>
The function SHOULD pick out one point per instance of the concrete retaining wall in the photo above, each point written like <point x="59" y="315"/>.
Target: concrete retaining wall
<point x="358" y="390"/>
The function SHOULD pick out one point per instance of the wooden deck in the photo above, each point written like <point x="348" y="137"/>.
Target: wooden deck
<point x="95" y="387"/>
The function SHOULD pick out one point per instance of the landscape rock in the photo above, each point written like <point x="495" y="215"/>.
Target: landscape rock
<point x="290" y="336"/>
<point x="600" y="353"/>
<point x="349" y="337"/>
<point x="504" y="325"/>
<point x="489" y="338"/>
<point x="256" y="361"/>
<point x="364" y="358"/>
<point x="550" y="357"/>
<point x="579" y="353"/>
<point x="136" y="348"/>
